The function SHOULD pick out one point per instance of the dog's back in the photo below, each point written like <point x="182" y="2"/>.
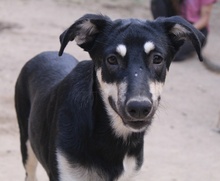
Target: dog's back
<point x="45" y="70"/>
<point x="40" y="75"/>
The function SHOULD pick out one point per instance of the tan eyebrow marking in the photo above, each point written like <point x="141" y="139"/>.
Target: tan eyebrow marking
<point x="149" y="46"/>
<point x="121" y="49"/>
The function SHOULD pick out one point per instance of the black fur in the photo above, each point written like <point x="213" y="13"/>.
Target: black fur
<point x="59" y="102"/>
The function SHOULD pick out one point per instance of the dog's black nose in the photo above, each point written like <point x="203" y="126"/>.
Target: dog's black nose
<point x="138" y="109"/>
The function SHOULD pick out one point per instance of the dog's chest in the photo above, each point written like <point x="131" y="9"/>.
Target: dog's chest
<point x="75" y="172"/>
<point x="130" y="168"/>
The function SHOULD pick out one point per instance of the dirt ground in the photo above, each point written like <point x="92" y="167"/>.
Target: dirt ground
<point x="183" y="143"/>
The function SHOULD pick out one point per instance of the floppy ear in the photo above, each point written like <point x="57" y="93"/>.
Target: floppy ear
<point x="84" y="31"/>
<point x="179" y="30"/>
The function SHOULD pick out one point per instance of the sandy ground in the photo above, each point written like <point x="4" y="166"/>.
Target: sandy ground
<point x="183" y="143"/>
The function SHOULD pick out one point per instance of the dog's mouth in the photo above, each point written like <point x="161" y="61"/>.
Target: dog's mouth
<point x="138" y="125"/>
<point x="135" y="125"/>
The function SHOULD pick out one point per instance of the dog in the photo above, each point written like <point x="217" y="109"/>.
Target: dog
<point x="86" y="121"/>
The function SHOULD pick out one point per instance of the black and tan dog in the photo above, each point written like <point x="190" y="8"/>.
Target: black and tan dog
<point x="86" y="121"/>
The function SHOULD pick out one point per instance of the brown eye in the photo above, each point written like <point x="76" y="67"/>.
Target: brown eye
<point x="157" y="59"/>
<point x="112" y="60"/>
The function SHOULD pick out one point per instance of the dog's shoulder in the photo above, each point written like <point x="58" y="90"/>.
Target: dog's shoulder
<point x="74" y="95"/>
<point x="82" y="72"/>
<point x="78" y="83"/>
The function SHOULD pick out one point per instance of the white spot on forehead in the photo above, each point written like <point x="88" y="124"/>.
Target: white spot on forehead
<point x="149" y="46"/>
<point x="121" y="49"/>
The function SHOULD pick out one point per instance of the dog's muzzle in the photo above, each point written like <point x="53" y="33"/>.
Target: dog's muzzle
<point x="139" y="113"/>
<point x="138" y="110"/>
<point x="136" y="114"/>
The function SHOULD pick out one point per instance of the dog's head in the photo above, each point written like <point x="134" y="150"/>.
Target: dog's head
<point x="131" y="59"/>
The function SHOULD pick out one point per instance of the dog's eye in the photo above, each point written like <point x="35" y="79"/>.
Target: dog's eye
<point x="157" y="59"/>
<point x="112" y="60"/>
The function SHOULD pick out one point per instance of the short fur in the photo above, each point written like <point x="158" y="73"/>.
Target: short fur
<point x="87" y="120"/>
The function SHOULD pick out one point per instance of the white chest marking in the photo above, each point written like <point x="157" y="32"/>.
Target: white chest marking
<point x="75" y="172"/>
<point x="130" y="165"/>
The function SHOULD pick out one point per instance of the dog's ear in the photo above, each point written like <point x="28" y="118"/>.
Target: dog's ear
<point x="84" y="31"/>
<point x="179" y="30"/>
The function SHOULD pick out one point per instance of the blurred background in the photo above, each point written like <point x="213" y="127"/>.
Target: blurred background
<point x="183" y="144"/>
